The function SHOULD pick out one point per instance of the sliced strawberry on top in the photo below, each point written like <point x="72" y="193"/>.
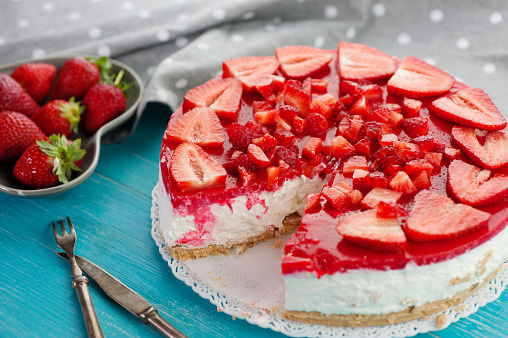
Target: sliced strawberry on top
<point x="469" y="107"/>
<point x="416" y="78"/>
<point x="368" y="230"/>
<point x="474" y="186"/>
<point x="492" y="154"/>
<point x="297" y="98"/>
<point x="200" y="126"/>
<point x="360" y="62"/>
<point x="250" y="69"/>
<point x="192" y="168"/>
<point x="376" y="195"/>
<point x="299" y="62"/>
<point x="436" y="217"/>
<point x="221" y="95"/>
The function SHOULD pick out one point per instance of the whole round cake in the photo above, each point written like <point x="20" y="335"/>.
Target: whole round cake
<point x="395" y="174"/>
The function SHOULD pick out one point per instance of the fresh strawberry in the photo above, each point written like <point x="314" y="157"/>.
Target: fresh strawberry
<point x="59" y="117"/>
<point x="350" y="127"/>
<point x="45" y="164"/>
<point x="200" y="126"/>
<point x="319" y="86"/>
<point x="415" y="166"/>
<point x="257" y="156"/>
<point x="240" y="136"/>
<point x="341" y="148"/>
<point x="436" y="217"/>
<point x="359" y="62"/>
<point x="192" y="168"/>
<point x="286" y="155"/>
<point x="474" y="186"/>
<point x="373" y="92"/>
<point x="410" y="107"/>
<point x="77" y="75"/>
<point x="256" y="127"/>
<point x="284" y="138"/>
<point x="18" y="132"/>
<point x="401" y="182"/>
<point x="338" y="199"/>
<point x="416" y="126"/>
<point x="313" y="201"/>
<point x="434" y="158"/>
<point x="222" y="95"/>
<point x="361" y="107"/>
<point x="299" y="126"/>
<point x="362" y="147"/>
<point x="282" y="125"/>
<point x="245" y="176"/>
<point x="390" y="210"/>
<point x="492" y="154"/>
<point x="268" y="143"/>
<point x="315" y="167"/>
<point x="378" y="179"/>
<point x="103" y="102"/>
<point x="361" y="179"/>
<point x="451" y="153"/>
<point x="350" y="88"/>
<point x="416" y="78"/>
<point x="36" y="78"/>
<point x="297" y="98"/>
<point x="421" y="180"/>
<point x="388" y="113"/>
<point x="272" y="177"/>
<point x="353" y="163"/>
<point x="312" y="147"/>
<point x="407" y="151"/>
<point x="469" y="107"/>
<point x="299" y="62"/>
<point x="376" y="195"/>
<point x="14" y="98"/>
<point x="250" y="70"/>
<point x="370" y="231"/>
<point x="316" y="124"/>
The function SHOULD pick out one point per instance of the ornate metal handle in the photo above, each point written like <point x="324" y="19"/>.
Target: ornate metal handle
<point x="152" y="317"/>
<point x="80" y="284"/>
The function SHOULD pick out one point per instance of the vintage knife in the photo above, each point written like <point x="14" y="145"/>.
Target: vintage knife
<point x="124" y="296"/>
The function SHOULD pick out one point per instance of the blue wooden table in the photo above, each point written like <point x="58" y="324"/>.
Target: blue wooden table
<point x="111" y="212"/>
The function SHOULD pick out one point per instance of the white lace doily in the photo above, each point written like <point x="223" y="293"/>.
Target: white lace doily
<point x="226" y="299"/>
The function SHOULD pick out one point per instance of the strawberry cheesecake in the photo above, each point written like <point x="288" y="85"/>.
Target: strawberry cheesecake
<point x="395" y="174"/>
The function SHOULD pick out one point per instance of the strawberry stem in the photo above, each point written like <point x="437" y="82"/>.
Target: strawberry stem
<point x="72" y="111"/>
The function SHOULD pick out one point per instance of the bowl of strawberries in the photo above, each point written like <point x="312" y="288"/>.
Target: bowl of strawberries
<point x="54" y="113"/>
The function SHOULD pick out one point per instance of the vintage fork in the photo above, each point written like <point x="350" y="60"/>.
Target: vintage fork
<point x="79" y="282"/>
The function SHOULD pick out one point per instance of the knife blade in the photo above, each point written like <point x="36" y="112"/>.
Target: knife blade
<point x="126" y="297"/>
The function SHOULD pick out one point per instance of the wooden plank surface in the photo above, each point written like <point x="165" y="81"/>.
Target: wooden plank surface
<point x="111" y="212"/>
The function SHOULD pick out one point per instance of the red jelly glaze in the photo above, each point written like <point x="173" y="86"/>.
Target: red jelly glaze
<point x="317" y="247"/>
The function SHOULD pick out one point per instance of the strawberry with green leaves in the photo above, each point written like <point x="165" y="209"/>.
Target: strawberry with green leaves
<point x="59" y="117"/>
<point x="77" y="75"/>
<point x="13" y="97"/>
<point x="36" y="78"/>
<point x="103" y="102"/>
<point x="46" y="164"/>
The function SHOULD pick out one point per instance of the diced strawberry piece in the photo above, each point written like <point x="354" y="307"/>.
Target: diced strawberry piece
<point x="414" y="166"/>
<point x="315" y="166"/>
<point x="316" y="124"/>
<point x="347" y="100"/>
<point x="360" y="62"/>
<point x="362" y="147"/>
<point x="361" y="179"/>
<point x="355" y="196"/>
<point x="240" y="136"/>
<point x="245" y="176"/>
<point x="321" y="108"/>
<point x="470" y="107"/>
<point x="221" y="95"/>
<point x="335" y="197"/>
<point x="192" y="168"/>
<point x="451" y="153"/>
<point x="426" y="143"/>
<point x="402" y="183"/>
<point x="416" y="126"/>
<point x="200" y="126"/>
<point x="376" y="195"/>
<point x="257" y="127"/>
<point x="297" y="98"/>
<point x="269" y="86"/>
<point x="284" y="138"/>
<point x="368" y="230"/>
<point x="433" y="158"/>
<point x="307" y="86"/>
<point x="285" y="154"/>
<point x="410" y="107"/>
<point x="436" y="217"/>
<point x="258" y="106"/>
<point x="407" y="151"/>
<point x="299" y="62"/>
<point x="388" y="113"/>
<point x="421" y="180"/>
<point x="236" y="154"/>
<point x="392" y="169"/>
<point x="312" y="203"/>
<point x="250" y="70"/>
<point x="350" y="88"/>
<point x="350" y="127"/>
<point x="257" y="156"/>
<point x="288" y="112"/>
<point x="282" y="125"/>
<point x="341" y="148"/>
<point x="353" y="163"/>
<point x="268" y="143"/>
<point x="243" y="161"/>
<point x="491" y="155"/>
<point x="299" y="126"/>
<point x="474" y="186"/>
<point x="387" y="139"/>
<point x="344" y="187"/>
<point x="312" y="147"/>
<point x="378" y="180"/>
<point x="266" y="117"/>
<point x="319" y="86"/>
<point x="390" y="210"/>
<point x="372" y="129"/>
<point x="361" y="107"/>
<point x="373" y="92"/>
<point x="272" y="177"/>
<point x="416" y="78"/>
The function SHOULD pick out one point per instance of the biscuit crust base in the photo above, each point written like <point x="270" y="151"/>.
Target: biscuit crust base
<point x="408" y="314"/>
<point x="184" y="253"/>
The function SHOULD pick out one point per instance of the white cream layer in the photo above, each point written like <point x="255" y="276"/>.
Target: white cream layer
<point x="235" y="223"/>
<point x="368" y="291"/>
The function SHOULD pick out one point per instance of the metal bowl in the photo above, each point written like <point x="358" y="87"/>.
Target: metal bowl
<point x="123" y="125"/>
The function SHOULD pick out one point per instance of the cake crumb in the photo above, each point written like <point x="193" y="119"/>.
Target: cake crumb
<point x="480" y="267"/>
<point x="441" y="320"/>
<point x="234" y="317"/>
<point x="458" y="280"/>
<point x="277" y="244"/>
<point x="274" y="310"/>
<point x="460" y="308"/>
